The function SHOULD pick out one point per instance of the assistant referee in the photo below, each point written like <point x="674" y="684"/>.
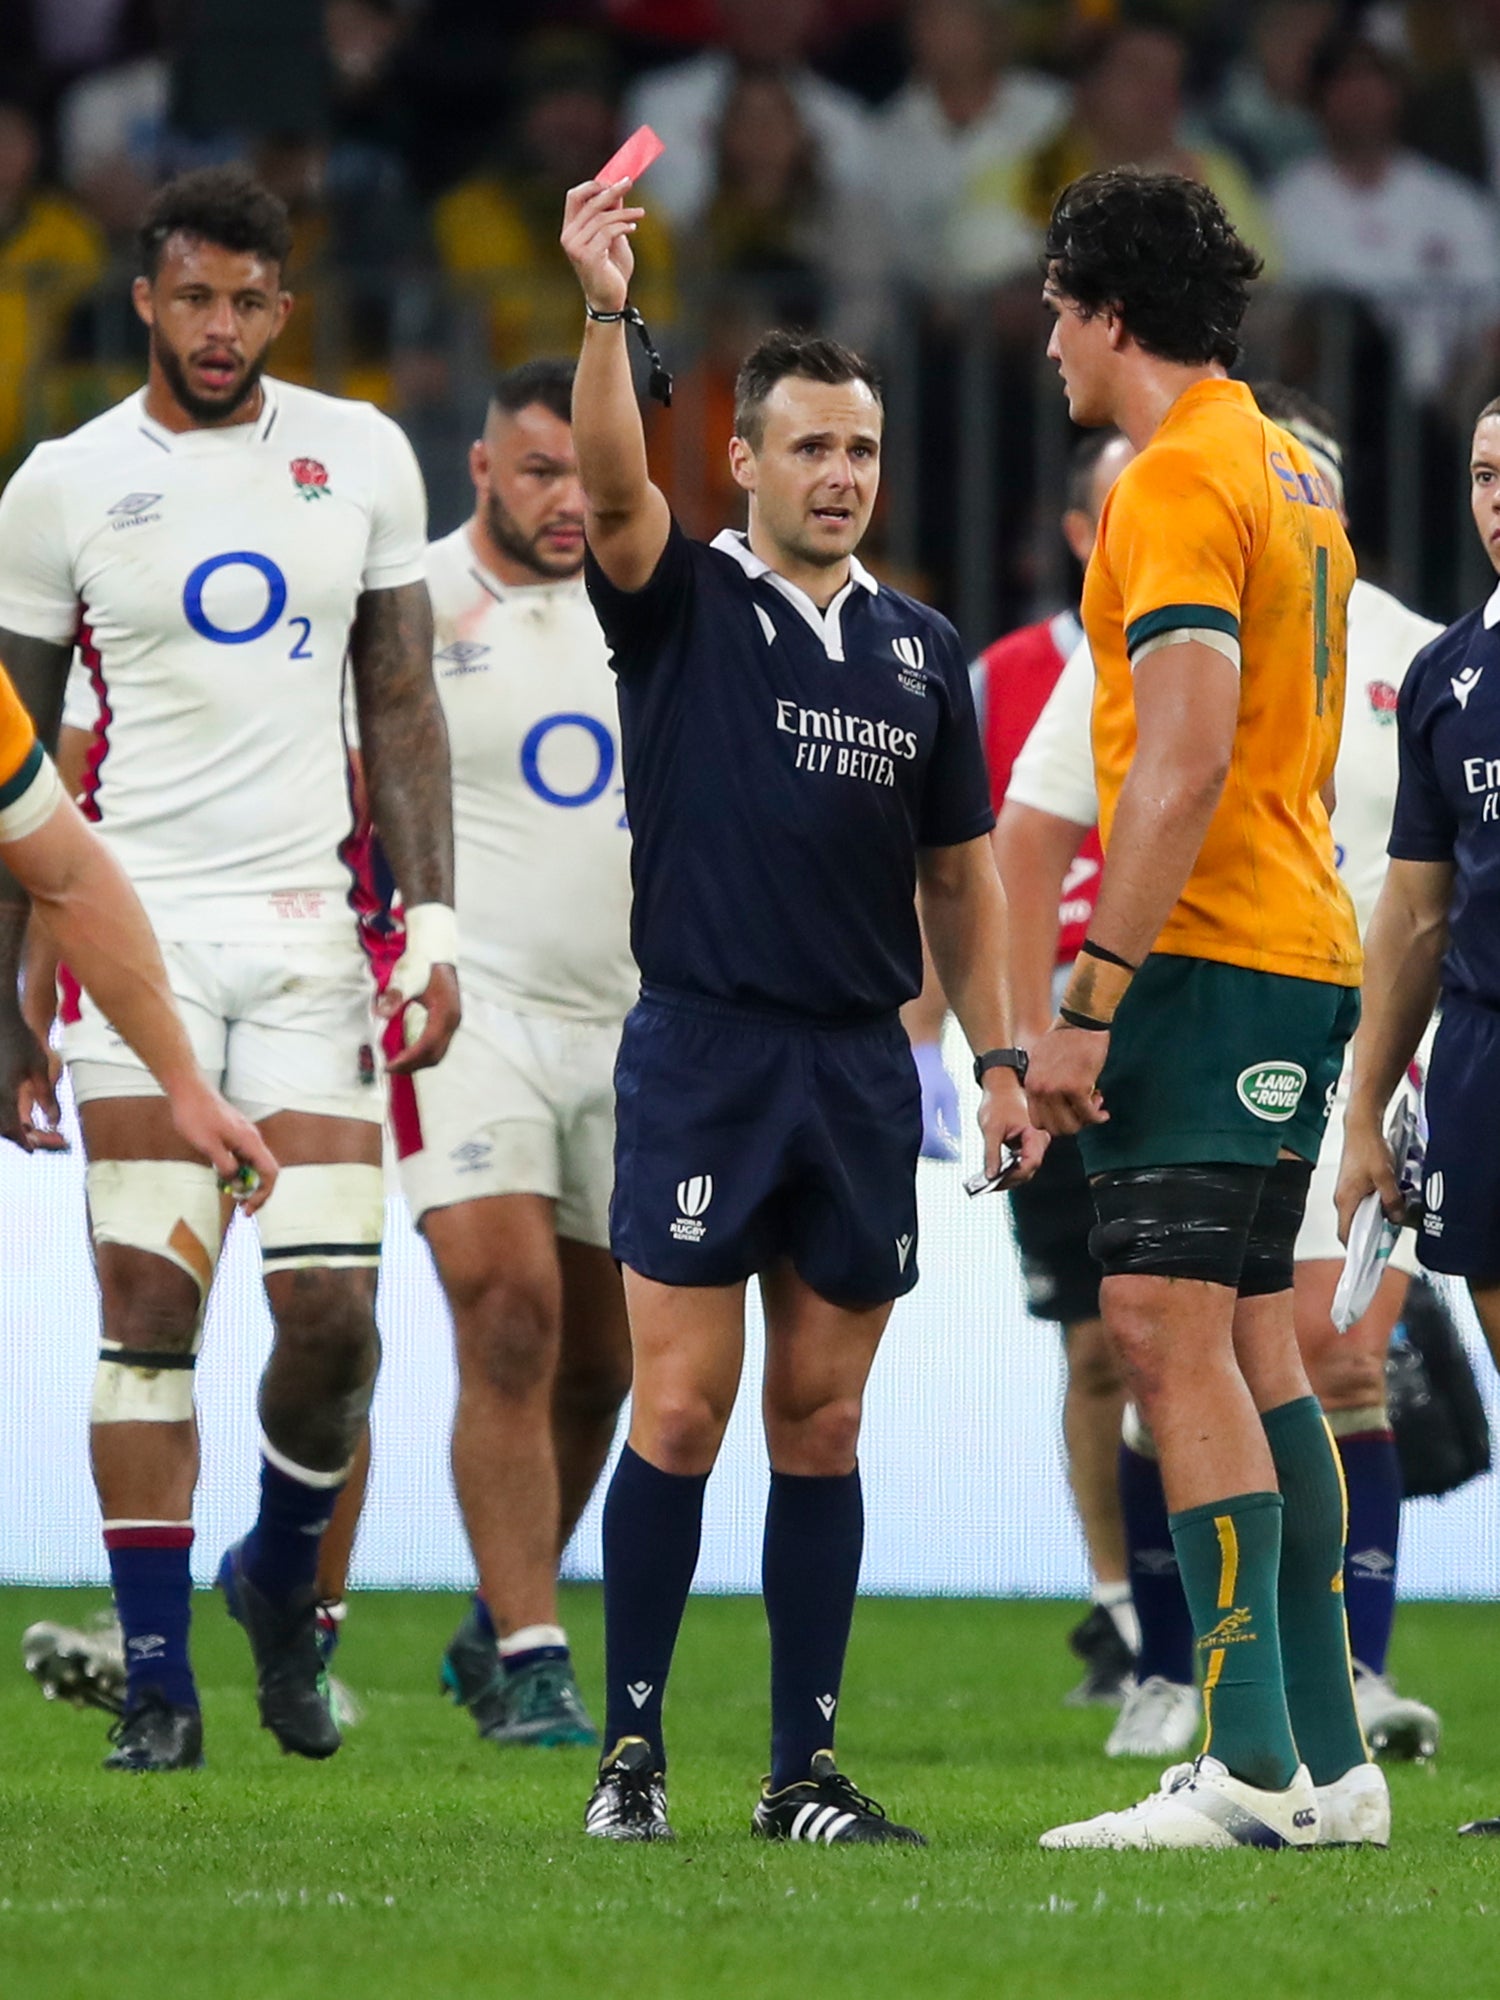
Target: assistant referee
<point x="800" y="752"/>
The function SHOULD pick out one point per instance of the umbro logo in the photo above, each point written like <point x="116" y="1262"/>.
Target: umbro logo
<point x="464" y="656"/>
<point x="146" y="1646"/>
<point x="1464" y="684"/>
<point x="640" y="1692"/>
<point x="827" y="1703"/>
<point x="903" y="1250"/>
<point x="134" y="511"/>
<point x="1377" y="1564"/>
<point x="470" y="1157"/>
<point x="1156" y="1562"/>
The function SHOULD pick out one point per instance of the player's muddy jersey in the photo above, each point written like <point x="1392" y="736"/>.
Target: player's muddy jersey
<point x="541" y="849"/>
<point x="209" y="579"/>
<point x="1224" y="531"/>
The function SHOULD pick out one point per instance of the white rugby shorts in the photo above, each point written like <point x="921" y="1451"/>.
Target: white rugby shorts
<point x="521" y="1104"/>
<point x="1319" y="1234"/>
<point x="275" y="1027"/>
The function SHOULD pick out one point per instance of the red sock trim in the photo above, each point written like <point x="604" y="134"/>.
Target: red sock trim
<point x="150" y="1535"/>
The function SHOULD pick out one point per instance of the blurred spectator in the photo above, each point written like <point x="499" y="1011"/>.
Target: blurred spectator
<point x="776" y="230"/>
<point x="964" y="115"/>
<point x="112" y="140"/>
<point x="1263" y="110"/>
<point x="684" y="104"/>
<point x="1368" y="217"/>
<point x="1129" y="110"/>
<point x="50" y="254"/>
<point x="1455" y="115"/>
<point x="497" y="232"/>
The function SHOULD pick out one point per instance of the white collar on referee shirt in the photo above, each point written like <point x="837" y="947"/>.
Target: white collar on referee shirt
<point x="1492" y="610"/>
<point x="730" y="542"/>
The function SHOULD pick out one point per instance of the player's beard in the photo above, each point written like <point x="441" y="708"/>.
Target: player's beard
<point x="205" y="409"/>
<point x="500" y="525"/>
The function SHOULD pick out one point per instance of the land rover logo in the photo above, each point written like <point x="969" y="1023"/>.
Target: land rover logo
<point x="1272" y="1090"/>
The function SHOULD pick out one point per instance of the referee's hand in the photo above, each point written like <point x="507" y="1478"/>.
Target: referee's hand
<point x="596" y="234"/>
<point x="1062" y="1082"/>
<point x="1004" y="1122"/>
<point x="1366" y="1168"/>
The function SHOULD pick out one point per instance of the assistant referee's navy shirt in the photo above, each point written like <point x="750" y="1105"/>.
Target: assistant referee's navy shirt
<point x="782" y="767"/>
<point x="1448" y="798"/>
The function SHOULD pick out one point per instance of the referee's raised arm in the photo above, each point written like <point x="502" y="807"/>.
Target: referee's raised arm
<point x="627" y="518"/>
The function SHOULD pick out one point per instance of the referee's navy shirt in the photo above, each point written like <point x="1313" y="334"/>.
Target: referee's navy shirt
<point x="1448" y="798"/>
<point x="782" y="767"/>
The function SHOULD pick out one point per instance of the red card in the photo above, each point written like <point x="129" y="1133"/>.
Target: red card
<point x="633" y="158"/>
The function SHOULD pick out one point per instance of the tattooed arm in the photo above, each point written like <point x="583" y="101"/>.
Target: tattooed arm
<point x="404" y="745"/>
<point x="39" y="669"/>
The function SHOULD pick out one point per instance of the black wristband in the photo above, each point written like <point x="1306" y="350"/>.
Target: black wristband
<point x="1074" y="1019"/>
<point x="1016" y="1059"/>
<point x="660" y="383"/>
<point x="1102" y="951"/>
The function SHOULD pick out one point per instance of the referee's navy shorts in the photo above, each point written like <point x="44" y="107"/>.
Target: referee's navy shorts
<point x="1460" y="1229"/>
<point x="742" y="1137"/>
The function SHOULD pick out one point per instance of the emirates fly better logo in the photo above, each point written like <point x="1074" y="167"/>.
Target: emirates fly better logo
<point x="310" y="477"/>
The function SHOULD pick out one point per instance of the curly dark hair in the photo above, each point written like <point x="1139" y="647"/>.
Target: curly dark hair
<point x="548" y="381"/>
<point x="1158" y="250"/>
<point x="222" y="205"/>
<point x="806" y="355"/>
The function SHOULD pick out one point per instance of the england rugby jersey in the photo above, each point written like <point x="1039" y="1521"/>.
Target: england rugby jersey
<point x="209" y="579"/>
<point x="1054" y="772"/>
<point x="541" y="850"/>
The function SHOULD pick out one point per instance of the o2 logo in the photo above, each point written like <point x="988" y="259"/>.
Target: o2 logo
<point x="597" y="784"/>
<point x="207" y="626"/>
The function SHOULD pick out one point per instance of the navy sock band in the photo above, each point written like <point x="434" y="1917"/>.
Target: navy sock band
<point x="1155" y="1582"/>
<point x="815" y="1537"/>
<point x="1372" y="1479"/>
<point x="280" y="1553"/>
<point x="652" y="1524"/>
<point x="153" y="1588"/>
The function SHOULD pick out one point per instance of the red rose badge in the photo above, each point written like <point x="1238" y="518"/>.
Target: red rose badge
<point x="310" y="478"/>
<point x="1383" y="699"/>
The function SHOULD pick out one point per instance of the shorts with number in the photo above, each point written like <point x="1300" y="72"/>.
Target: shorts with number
<point x="521" y="1104"/>
<point x="1052" y="1215"/>
<point x="747" y="1137"/>
<point x="1211" y="1063"/>
<point x="275" y="1027"/>
<point x="1460" y="1229"/>
<point x="1318" y="1237"/>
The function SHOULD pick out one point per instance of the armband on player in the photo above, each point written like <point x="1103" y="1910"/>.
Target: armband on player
<point x="31" y="797"/>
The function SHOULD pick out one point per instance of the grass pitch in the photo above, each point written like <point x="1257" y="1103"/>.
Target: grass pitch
<point x="422" y="1863"/>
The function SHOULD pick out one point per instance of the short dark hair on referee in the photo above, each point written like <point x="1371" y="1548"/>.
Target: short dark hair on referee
<point x="222" y="205"/>
<point x="548" y="381"/>
<point x="1083" y="462"/>
<point x="808" y="356"/>
<point x="1158" y="250"/>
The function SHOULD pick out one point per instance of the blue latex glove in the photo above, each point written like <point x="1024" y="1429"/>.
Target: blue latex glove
<point x="939" y="1103"/>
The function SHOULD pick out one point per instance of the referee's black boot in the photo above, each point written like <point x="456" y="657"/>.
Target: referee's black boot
<point x="824" y="1808"/>
<point x="152" y="1735"/>
<point x="1108" y="1662"/>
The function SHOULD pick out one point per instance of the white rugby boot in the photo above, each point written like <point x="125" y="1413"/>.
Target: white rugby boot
<point x="1355" y="1810"/>
<point x="1395" y="1726"/>
<point x="1159" y="1719"/>
<point x="1202" y="1805"/>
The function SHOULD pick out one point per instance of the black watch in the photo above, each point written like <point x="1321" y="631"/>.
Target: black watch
<point x="1016" y="1059"/>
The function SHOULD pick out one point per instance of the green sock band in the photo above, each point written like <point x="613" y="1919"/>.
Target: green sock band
<point x="1314" y="1628"/>
<point x="1229" y="1554"/>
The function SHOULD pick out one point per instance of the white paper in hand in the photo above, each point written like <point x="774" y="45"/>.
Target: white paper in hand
<point x="1372" y="1238"/>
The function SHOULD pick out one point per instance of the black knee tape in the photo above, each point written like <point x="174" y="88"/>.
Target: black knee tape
<point x="1175" y="1222"/>
<point x="1268" y="1264"/>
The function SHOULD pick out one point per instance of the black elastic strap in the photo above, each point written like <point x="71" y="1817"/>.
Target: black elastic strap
<point x="1109" y="957"/>
<point x="148" y="1357"/>
<point x="1076" y="1020"/>
<point x="660" y="383"/>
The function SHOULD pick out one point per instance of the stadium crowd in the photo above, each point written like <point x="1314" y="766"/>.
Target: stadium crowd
<point x="868" y="167"/>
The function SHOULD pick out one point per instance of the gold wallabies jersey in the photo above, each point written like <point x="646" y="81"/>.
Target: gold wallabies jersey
<point x="1224" y="531"/>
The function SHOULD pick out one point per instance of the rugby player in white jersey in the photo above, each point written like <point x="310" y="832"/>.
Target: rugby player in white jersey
<point x="216" y="547"/>
<point x="507" y="1150"/>
<point x="1052" y="795"/>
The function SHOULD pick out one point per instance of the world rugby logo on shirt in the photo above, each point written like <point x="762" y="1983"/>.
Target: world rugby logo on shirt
<point x="693" y="1197"/>
<point x="1272" y="1090"/>
<point x="912" y="655"/>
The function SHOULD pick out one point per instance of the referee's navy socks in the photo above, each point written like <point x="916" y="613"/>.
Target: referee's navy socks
<point x="280" y="1553"/>
<point x="652" y="1524"/>
<point x="815" y="1537"/>
<point x="1155" y="1580"/>
<point x="153" y="1587"/>
<point x="1372" y="1480"/>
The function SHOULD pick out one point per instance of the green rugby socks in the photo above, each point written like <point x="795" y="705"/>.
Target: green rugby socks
<point x="1229" y="1553"/>
<point x="1314" y="1631"/>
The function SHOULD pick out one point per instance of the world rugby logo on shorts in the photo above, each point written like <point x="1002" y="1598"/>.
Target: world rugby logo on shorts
<point x="1432" y="1201"/>
<point x="693" y="1197"/>
<point x="1272" y="1090"/>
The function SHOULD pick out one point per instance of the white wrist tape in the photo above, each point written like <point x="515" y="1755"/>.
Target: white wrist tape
<point x="31" y="806"/>
<point x="431" y="939"/>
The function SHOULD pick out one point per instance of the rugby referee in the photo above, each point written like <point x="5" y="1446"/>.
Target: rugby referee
<point x="800" y="753"/>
